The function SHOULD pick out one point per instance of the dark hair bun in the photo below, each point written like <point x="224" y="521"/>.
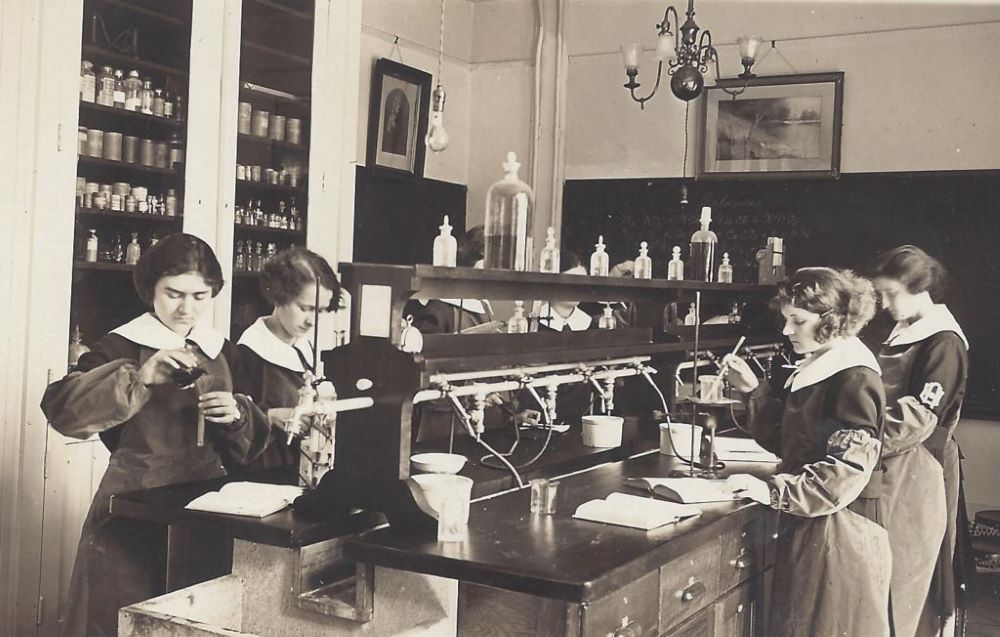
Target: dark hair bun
<point x="175" y="254"/>
<point x="285" y="274"/>
<point x="914" y="268"/>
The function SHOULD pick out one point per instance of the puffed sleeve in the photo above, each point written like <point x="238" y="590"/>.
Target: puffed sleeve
<point x="244" y="439"/>
<point x="937" y="384"/>
<point x="852" y="451"/>
<point x="764" y="410"/>
<point x="104" y="393"/>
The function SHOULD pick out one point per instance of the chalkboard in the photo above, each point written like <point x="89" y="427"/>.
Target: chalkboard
<point x="396" y="217"/>
<point x="846" y="222"/>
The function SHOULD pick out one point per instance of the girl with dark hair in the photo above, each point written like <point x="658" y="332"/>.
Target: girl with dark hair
<point x="276" y="350"/>
<point x="924" y="365"/>
<point x="832" y="561"/>
<point x="142" y="381"/>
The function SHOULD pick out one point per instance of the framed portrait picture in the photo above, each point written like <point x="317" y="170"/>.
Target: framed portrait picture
<point x="397" y="118"/>
<point x="781" y="126"/>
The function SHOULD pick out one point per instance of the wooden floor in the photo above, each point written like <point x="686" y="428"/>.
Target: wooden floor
<point x="984" y="609"/>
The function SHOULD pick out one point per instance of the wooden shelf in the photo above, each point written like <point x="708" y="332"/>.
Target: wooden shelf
<point x="137" y="216"/>
<point x="149" y="13"/>
<point x="94" y="53"/>
<point x="277" y="53"/>
<point x="260" y="186"/>
<point x="129" y="116"/>
<point x="97" y="162"/>
<point x="282" y="8"/>
<point x="102" y="265"/>
<point x="241" y="227"/>
<point x="272" y="143"/>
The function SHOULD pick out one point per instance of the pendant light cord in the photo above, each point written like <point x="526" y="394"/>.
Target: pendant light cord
<point x="441" y="44"/>
<point x="684" y="168"/>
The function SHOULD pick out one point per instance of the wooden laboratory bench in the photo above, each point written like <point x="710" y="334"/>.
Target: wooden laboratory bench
<point x="523" y="574"/>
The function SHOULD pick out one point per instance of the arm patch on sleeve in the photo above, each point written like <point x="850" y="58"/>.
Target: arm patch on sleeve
<point x="932" y="394"/>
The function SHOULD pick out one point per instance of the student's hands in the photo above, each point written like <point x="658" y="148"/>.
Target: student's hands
<point x="156" y="370"/>
<point x="739" y="374"/>
<point x="219" y="407"/>
<point x="744" y="485"/>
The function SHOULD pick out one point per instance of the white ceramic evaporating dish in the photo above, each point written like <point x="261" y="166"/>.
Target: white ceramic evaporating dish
<point x="438" y="462"/>
<point x="602" y="431"/>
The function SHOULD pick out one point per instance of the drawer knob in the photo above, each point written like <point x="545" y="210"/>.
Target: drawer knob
<point x="743" y="562"/>
<point x="693" y="591"/>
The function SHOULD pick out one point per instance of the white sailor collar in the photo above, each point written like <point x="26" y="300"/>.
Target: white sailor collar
<point x="938" y="319"/>
<point x="263" y="342"/>
<point x="149" y="331"/>
<point x="845" y="354"/>
<point x="578" y="321"/>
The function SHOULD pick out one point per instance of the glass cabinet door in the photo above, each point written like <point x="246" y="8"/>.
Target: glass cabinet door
<point x="272" y="149"/>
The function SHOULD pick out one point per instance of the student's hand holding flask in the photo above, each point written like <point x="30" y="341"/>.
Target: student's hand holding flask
<point x="739" y="374"/>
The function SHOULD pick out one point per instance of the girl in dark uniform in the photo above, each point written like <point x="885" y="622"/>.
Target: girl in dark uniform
<point x="275" y="351"/>
<point x="832" y="561"/>
<point x="924" y="364"/>
<point x="124" y="383"/>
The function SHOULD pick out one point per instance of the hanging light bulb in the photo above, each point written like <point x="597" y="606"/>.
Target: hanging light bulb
<point x="437" y="137"/>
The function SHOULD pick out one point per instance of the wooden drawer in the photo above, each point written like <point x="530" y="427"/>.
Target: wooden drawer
<point x="738" y="614"/>
<point x="743" y="553"/>
<point x="702" y="624"/>
<point x="689" y="584"/>
<point x="631" y="610"/>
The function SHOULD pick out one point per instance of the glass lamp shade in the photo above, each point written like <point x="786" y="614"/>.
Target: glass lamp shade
<point x="686" y="84"/>
<point x="664" y="46"/>
<point x="630" y="55"/>
<point x="748" y="46"/>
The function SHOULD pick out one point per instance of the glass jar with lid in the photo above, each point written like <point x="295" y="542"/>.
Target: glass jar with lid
<point x="119" y="94"/>
<point x="133" y="91"/>
<point x="509" y="209"/>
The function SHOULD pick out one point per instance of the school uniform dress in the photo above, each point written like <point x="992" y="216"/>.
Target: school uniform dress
<point x="271" y="372"/>
<point x="121" y="561"/>
<point x="924" y="366"/>
<point x="832" y="561"/>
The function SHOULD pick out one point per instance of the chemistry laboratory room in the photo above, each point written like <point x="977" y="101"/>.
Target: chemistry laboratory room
<point x="589" y="318"/>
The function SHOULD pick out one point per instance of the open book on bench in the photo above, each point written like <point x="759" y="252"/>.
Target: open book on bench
<point x="252" y="499"/>
<point x="686" y="490"/>
<point x="634" y="511"/>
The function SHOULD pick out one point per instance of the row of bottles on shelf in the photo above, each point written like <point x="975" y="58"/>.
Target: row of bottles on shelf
<point x="116" y="251"/>
<point x="672" y="318"/>
<point x="251" y="255"/>
<point x="287" y="217"/>
<point x="261" y="123"/>
<point x="110" y="87"/>
<point x="124" y="197"/>
<point x="115" y="146"/>
<point x="281" y="177"/>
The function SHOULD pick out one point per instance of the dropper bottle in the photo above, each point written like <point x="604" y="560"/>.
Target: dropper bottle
<point x="599" y="260"/>
<point x="607" y="320"/>
<point x="703" y="244"/>
<point x="643" y="264"/>
<point x="692" y="316"/>
<point x="518" y="324"/>
<point x="549" y="260"/>
<point x="725" y="270"/>
<point x="445" y="246"/>
<point x="675" y="269"/>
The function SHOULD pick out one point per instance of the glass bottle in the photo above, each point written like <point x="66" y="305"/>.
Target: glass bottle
<point x="158" y="103"/>
<point x="599" y="260"/>
<point x="725" y="269"/>
<point x="117" y="250"/>
<point x="734" y="314"/>
<point x="282" y="216"/>
<point x="509" y="209"/>
<point x="91" y="254"/>
<point x="643" y="264"/>
<point x="703" y="242"/>
<point x="176" y="152"/>
<point x="272" y="251"/>
<point x="133" y="91"/>
<point x="294" y="211"/>
<point x="170" y="203"/>
<point x="106" y="87"/>
<point x="518" y="324"/>
<point x="88" y="82"/>
<point x="445" y="250"/>
<point x="675" y="269"/>
<point x="119" y="93"/>
<point x="549" y="259"/>
<point x="179" y="108"/>
<point x="258" y="257"/>
<point x="133" y="251"/>
<point x="239" y="261"/>
<point x="692" y="316"/>
<point x="146" y="97"/>
<point x="76" y="347"/>
<point x="607" y="320"/>
<point x="168" y="104"/>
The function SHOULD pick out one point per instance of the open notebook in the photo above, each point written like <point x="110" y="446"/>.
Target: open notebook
<point x="634" y="511"/>
<point x="252" y="499"/>
<point x="742" y="450"/>
<point x="686" y="490"/>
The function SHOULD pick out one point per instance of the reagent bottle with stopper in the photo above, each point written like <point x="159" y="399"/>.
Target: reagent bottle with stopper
<point x="549" y="259"/>
<point x="643" y="264"/>
<point x="692" y="316"/>
<point x="509" y="207"/>
<point x="725" y="270"/>
<point x="675" y="269"/>
<point x="445" y="246"/>
<point x="703" y="244"/>
<point x="599" y="260"/>
<point x="518" y="324"/>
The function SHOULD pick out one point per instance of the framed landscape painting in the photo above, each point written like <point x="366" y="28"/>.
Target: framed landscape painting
<point x="781" y="126"/>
